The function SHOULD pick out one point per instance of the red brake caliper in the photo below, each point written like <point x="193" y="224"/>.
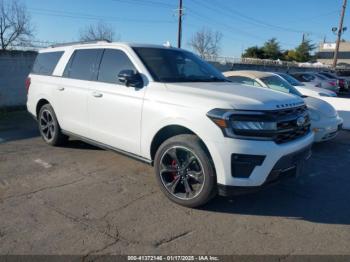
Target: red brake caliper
<point x="174" y="165"/>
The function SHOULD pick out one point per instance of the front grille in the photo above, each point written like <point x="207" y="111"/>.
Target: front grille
<point x="287" y="124"/>
<point x="290" y="112"/>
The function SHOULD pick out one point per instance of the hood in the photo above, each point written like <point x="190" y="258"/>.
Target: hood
<point x="230" y="95"/>
<point x="322" y="107"/>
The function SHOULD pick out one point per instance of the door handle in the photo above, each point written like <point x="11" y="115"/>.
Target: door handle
<point x="97" y="94"/>
<point x="60" y="88"/>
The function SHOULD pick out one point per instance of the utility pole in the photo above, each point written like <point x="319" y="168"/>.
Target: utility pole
<point x="339" y="34"/>
<point x="179" y="33"/>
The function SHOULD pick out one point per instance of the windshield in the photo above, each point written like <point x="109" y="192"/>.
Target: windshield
<point x="278" y="84"/>
<point x="173" y="65"/>
<point x="291" y="80"/>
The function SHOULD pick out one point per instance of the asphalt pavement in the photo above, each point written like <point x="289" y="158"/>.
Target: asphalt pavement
<point x="82" y="200"/>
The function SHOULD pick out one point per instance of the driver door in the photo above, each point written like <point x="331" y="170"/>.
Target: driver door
<point x="114" y="109"/>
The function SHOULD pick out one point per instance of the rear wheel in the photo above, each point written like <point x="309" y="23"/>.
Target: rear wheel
<point x="49" y="128"/>
<point x="185" y="172"/>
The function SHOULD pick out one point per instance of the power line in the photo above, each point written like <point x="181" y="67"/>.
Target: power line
<point x="152" y="3"/>
<point x="313" y="18"/>
<point x="229" y="28"/>
<point x="147" y="3"/>
<point x="228" y="11"/>
<point x="58" y="13"/>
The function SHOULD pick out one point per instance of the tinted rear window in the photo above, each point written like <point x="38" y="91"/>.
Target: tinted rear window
<point x="45" y="63"/>
<point x="113" y="62"/>
<point x="84" y="64"/>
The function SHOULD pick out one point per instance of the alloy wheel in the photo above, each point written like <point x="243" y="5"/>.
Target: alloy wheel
<point x="47" y="125"/>
<point x="181" y="173"/>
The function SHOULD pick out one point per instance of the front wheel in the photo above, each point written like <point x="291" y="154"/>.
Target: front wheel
<point x="185" y="172"/>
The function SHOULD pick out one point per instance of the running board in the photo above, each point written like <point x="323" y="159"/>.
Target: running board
<point x="107" y="147"/>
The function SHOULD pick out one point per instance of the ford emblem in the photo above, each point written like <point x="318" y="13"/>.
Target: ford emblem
<point x="301" y="121"/>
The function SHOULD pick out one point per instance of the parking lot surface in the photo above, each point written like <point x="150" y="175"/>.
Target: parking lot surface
<point x="82" y="200"/>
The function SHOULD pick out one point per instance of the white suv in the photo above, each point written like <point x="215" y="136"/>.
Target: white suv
<point x="167" y="107"/>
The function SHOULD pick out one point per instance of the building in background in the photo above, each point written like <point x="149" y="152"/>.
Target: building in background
<point x="325" y="54"/>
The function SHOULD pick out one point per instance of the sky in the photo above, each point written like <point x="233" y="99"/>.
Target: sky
<point x="243" y="23"/>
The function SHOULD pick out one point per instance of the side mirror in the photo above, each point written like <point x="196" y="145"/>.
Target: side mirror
<point x="130" y="78"/>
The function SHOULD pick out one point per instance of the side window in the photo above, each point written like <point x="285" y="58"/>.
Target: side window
<point x="112" y="63"/>
<point x="242" y="80"/>
<point x="298" y="77"/>
<point x="84" y="64"/>
<point x="45" y="63"/>
<point x="308" y="77"/>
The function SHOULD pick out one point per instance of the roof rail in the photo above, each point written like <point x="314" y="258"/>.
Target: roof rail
<point x="80" y="42"/>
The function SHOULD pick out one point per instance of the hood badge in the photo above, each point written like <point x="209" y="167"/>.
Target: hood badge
<point x="289" y="105"/>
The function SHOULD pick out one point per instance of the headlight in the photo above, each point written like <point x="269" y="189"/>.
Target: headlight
<point x="314" y="115"/>
<point x="323" y="94"/>
<point x="243" y="123"/>
<point x="254" y="125"/>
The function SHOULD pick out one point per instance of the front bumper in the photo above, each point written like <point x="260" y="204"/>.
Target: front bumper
<point x="263" y="154"/>
<point x="328" y="129"/>
<point x="291" y="165"/>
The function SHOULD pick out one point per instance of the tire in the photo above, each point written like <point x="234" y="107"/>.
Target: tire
<point x="185" y="172"/>
<point x="49" y="127"/>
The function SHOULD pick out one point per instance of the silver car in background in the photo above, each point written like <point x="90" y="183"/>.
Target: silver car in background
<point x="342" y="82"/>
<point x="307" y="89"/>
<point x="317" y="80"/>
<point x="325" y="121"/>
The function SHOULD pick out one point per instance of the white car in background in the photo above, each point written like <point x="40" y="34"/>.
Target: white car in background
<point x="307" y="89"/>
<point x="325" y="121"/>
<point x="317" y="80"/>
<point x="342" y="105"/>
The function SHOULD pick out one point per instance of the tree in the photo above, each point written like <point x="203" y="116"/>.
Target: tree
<point x="272" y="49"/>
<point x="15" y="24"/>
<point x="254" y="52"/>
<point x="206" y="43"/>
<point x="99" y="31"/>
<point x="290" y="55"/>
<point x="303" y="51"/>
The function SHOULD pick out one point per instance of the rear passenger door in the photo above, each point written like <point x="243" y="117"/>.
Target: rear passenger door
<point x="114" y="109"/>
<point x="74" y="88"/>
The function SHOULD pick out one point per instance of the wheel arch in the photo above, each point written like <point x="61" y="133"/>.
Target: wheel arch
<point x="169" y="131"/>
<point x="39" y="105"/>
